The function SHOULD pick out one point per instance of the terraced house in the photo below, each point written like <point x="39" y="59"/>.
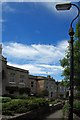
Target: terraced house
<point x="46" y="86"/>
<point x="16" y="81"/>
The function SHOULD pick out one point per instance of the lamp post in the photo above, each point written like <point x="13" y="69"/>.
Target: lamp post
<point x="67" y="6"/>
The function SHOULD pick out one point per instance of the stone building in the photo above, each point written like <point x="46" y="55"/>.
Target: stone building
<point x="45" y="86"/>
<point x="4" y="75"/>
<point x="32" y="84"/>
<point x="0" y="69"/>
<point x="40" y="84"/>
<point x="61" y="90"/>
<point x="12" y="80"/>
<point x="18" y="81"/>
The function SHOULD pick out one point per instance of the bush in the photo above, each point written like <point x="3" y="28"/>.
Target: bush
<point x="77" y="104"/>
<point x="77" y="96"/>
<point x="32" y="105"/>
<point x="52" y="101"/>
<point x="23" y="105"/>
<point x="8" y="112"/>
<point x="65" y="110"/>
<point x="21" y="97"/>
<point x="5" y="99"/>
<point x="15" y="105"/>
<point x="0" y="99"/>
<point x="0" y="107"/>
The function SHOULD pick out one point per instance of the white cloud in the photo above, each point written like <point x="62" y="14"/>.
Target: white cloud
<point x="18" y="50"/>
<point x="39" y="69"/>
<point x="32" y="68"/>
<point x="40" y="59"/>
<point x="37" y="53"/>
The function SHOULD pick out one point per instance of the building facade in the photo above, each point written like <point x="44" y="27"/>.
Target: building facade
<point x="16" y="81"/>
<point x="43" y="86"/>
<point x="12" y="80"/>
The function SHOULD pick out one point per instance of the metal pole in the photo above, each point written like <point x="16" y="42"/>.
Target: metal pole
<point x="71" y="33"/>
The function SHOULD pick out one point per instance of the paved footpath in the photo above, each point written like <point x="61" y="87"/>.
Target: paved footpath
<point x="55" y="116"/>
<point x="58" y="115"/>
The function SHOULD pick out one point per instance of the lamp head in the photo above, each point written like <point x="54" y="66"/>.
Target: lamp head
<point x="65" y="6"/>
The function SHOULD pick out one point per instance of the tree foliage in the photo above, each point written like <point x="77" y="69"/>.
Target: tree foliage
<point x="77" y="33"/>
<point x="65" y="62"/>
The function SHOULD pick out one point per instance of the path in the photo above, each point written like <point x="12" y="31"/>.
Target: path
<point x="58" y="115"/>
<point x="55" y="116"/>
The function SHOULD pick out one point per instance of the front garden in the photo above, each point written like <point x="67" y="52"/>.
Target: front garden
<point x="19" y="105"/>
<point x="22" y="105"/>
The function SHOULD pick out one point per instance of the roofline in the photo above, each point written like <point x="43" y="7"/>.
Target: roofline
<point x="17" y="69"/>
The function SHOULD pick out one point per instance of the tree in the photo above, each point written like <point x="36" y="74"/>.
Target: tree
<point x="65" y="62"/>
<point x="77" y="33"/>
<point x="64" y="83"/>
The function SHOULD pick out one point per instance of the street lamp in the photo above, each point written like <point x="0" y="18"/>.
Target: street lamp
<point x="67" y="6"/>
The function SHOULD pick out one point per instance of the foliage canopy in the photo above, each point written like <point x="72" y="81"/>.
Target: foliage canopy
<point x="65" y="62"/>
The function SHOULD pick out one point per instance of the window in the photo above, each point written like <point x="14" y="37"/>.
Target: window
<point x="3" y="74"/>
<point x="22" y="78"/>
<point x="46" y="86"/>
<point x="12" y="77"/>
<point x="51" y="94"/>
<point x="32" y="84"/>
<point x="11" y="92"/>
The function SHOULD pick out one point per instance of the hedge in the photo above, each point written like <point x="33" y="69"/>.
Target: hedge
<point x="5" y="99"/>
<point x="77" y="104"/>
<point x="22" y="105"/>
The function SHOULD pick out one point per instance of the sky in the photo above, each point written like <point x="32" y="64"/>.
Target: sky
<point x="35" y="35"/>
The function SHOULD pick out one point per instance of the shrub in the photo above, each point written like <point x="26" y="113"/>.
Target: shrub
<point x="0" y="107"/>
<point x="32" y="105"/>
<point x="77" y="104"/>
<point x="21" y="97"/>
<point x="23" y="105"/>
<point x="0" y="99"/>
<point x="6" y="99"/>
<point x="65" y="110"/>
<point x="16" y="106"/>
<point x="8" y="112"/>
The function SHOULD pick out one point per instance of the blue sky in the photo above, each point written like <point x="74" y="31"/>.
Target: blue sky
<point x="35" y="36"/>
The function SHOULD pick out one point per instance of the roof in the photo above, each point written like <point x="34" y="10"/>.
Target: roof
<point x="3" y="58"/>
<point x="32" y="77"/>
<point x="17" y="69"/>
